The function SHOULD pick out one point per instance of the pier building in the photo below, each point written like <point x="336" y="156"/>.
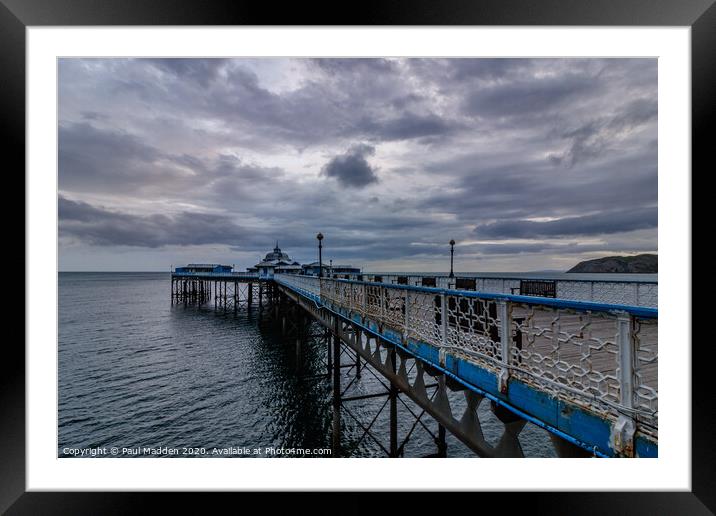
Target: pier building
<point x="206" y="267"/>
<point x="276" y="262"/>
<point x="576" y="358"/>
<point x="346" y="271"/>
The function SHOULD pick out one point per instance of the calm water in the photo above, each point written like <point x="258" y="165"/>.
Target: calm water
<point x="135" y="371"/>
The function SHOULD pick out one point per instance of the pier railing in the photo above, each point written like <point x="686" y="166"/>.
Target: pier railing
<point x="602" y="357"/>
<point x="621" y="292"/>
<point x="218" y="275"/>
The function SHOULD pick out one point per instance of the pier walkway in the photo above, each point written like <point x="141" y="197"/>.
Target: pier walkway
<point x="584" y="371"/>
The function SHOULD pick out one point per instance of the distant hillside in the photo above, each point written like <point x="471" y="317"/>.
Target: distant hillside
<point x="641" y="263"/>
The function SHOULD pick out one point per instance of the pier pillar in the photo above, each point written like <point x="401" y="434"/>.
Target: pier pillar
<point x="566" y="449"/>
<point x="298" y="354"/>
<point x="440" y="441"/>
<point x="359" y="344"/>
<point x="393" y="409"/>
<point x="336" y="396"/>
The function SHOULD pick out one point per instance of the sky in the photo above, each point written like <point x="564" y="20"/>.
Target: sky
<point x="528" y="164"/>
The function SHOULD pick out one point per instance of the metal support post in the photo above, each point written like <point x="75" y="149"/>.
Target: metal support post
<point x="336" y="395"/>
<point x="625" y="427"/>
<point x="505" y="315"/>
<point x="440" y="441"/>
<point x="393" y="409"/>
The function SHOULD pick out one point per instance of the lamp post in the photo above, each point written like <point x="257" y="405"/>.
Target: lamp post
<point x="319" y="236"/>
<point x="452" y="253"/>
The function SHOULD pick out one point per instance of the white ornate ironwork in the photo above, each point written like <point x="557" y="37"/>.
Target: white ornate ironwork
<point x="604" y="359"/>
<point x="630" y="293"/>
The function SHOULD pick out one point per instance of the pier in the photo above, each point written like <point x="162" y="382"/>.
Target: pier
<point x="578" y="359"/>
<point x="228" y="291"/>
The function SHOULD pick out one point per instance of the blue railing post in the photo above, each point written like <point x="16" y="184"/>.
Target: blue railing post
<point x="365" y="300"/>
<point x="505" y="314"/>
<point x="382" y="291"/>
<point x="443" y="319"/>
<point x="406" y="319"/>
<point x="625" y="427"/>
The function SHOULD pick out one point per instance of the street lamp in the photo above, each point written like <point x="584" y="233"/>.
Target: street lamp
<point x="319" y="236"/>
<point x="452" y="253"/>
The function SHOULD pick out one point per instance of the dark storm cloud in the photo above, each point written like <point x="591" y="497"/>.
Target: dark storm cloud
<point x="347" y="98"/>
<point x="530" y="189"/>
<point x="357" y="65"/>
<point x="488" y="69"/>
<point x="606" y="223"/>
<point x="637" y="112"/>
<point x="92" y="115"/>
<point x="103" y="227"/>
<point x="247" y="151"/>
<point x="595" y="137"/>
<point x="351" y="169"/>
<point x="203" y="71"/>
<point x="521" y="98"/>
<point x="407" y="126"/>
<point x="91" y="159"/>
<point x="558" y="249"/>
<point x="449" y="72"/>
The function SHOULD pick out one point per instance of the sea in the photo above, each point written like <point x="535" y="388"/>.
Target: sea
<point x="141" y="377"/>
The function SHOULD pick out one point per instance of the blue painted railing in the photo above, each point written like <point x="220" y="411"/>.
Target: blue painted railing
<point x="538" y="355"/>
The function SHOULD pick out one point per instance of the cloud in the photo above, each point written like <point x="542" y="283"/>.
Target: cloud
<point x="351" y="169"/>
<point x="89" y="157"/>
<point x="250" y="150"/>
<point x="527" y="97"/>
<point x="102" y="227"/>
<point x="596" y="137"/>
<point x="609" y="222"/>
<point x="203" y="71"/>
<point x="483" y="191"/>
<point x="566" y="248"/>
<point x="407" y="126"/>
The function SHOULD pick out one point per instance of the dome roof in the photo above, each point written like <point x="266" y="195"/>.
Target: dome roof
<point x="276" y="254"/>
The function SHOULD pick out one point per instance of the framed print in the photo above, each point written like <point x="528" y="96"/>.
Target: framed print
<point x="266" y="253"/>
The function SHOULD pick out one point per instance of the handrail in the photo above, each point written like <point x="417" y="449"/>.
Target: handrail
<point x="603" y="356"/>
<point x="639" y="311"/>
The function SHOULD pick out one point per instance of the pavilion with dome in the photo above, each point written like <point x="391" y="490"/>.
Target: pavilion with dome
<point x="276" y="262"/>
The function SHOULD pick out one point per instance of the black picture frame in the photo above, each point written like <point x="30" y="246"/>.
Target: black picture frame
<point x="16" y="15"/>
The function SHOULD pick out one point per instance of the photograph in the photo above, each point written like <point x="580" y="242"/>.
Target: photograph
<point x="266" y="250"/>
<point x="357" y="257"/>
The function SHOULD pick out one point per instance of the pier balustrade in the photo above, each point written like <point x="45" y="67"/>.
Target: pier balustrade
<point x="600" y="357"/>
<point x="621" y="292"/>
